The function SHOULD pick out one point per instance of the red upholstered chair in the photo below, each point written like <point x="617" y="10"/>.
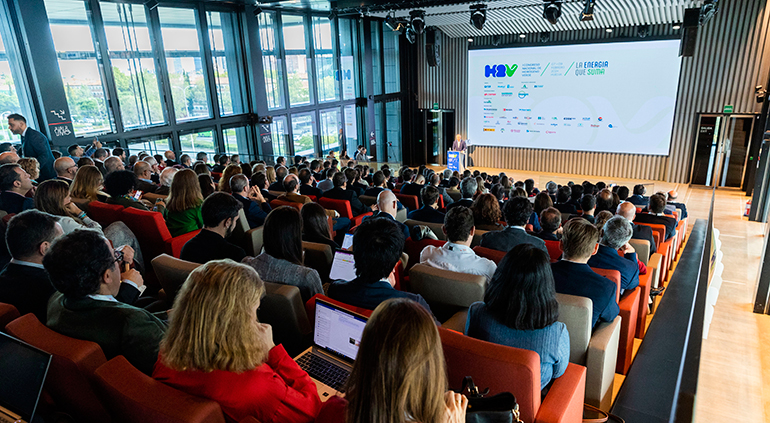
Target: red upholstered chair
<point x="506" y="369"/>
<point x="8" y="313"/>
<point x="72" y="367"/>
<point x="494" y="255"/>
<point x="441" y="203"/>
<point x="104" y="213"/>
<point x="153" y="235"/>
<point x="414" y="248"/>
<point x="554" y="250"/>
<point x="175" y="244"/>
<point x="133" y="397"/>
<point x="629" y="313"/>
<point x="310" y="307"/>
<point x="278" y="203"/>
<point x="409" y="201"/>
<point x="343" y="208"/>
<point x="216" y="175"/>
<point x="313" y="198"/>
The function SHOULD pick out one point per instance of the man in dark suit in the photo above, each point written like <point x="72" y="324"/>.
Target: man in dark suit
<point x="84" y="269"/>
<point x="14" y="185"/>
<point x="144" y="183"/>
<point x="340" y="193"/>
<point x="615" y="236"/>
<point x="550" y="221"/>
<point x="428" y="212"/>
<point x="517" y="211"/>
<point x="280" y="173"/>
<point x="221" y="165"/>
<point x="414" y="188"/>
<point x="99" y="156"/>
<point x="377" y="247"/>
<point x="65" y="169"/>
<point x="656" y="216"/>
<point x="378" y="184"/>
<point x="170" y="158"/>
<point x="306" y="184"/>
<point x="638" y="198"/>
<point x="387" y="207"/>
<point x="220" y="212"/>
<point x="467" y="188"/>
<point x="562" y="200"/>
<point x="672" y="196"/>
<point x="588" y="205"/>
<point x="573" y="275"/>
<point x="33" y="144"/>
<point x="250" y="198"/>
<point x="643" y="232"/>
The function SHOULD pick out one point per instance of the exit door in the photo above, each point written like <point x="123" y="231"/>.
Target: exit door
<point x="721" y="150"/>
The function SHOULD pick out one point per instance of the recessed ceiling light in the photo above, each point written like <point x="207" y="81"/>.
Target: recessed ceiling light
<point x="608" y="29"/>
<point x="522" y="35"/>
<point x="470" y="40"/>
<point x="676" y="27"/>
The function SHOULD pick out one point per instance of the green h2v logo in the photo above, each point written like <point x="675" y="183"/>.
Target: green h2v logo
<point x="500" y="71"/>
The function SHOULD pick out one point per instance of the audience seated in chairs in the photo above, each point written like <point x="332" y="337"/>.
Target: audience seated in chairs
<point x="638" y="198"/>
<point x="573" y="276"/>
<point x="144" y="174"/>
<point x="399" y="371"/>
<point x="601" y="218"/>
<point x="232" y="360"/>
<point x="517" y="212"/>
<point x="327" y="183"/>
<point x="563" y="200"/>
<point x="387" y="207"/>
<point x="112" y="164"/>
<point x="282" y="261"/>
<point x="542" y="201"/>
<point x="315" y="226"/>
<point x="87" y="187"/>
<point x="435" y="180"/>
<point x="121" y="187"/>
<point x="377" y="247"/>
<point x="643" y="232"/>
<point x="656" y="215"/>
<point x="15" y="182"/>
<point x="339" y="192"/>
<point x="86" y="271"/>
<point x="224" y="180"/>
<point x="306" y="184"/>
<point x="520" y="310"/>
<point x="183" y="208"/>
<point x="222" y="163"/>
<point x="65" y="169"/>
<point x="429" y="210"/>
<point x="456" y="255"/>
<point x="24" y="282"/>
<point x="220" y="215"/>
<point x="614" y="237"/>
<point x="206" y="184"/>
<point x="259" y="180"/>
<point x="251" y="198"/>
<point x="550" y="222"/>
<point x="166" y="178"/>
<point x="486" y="213"/>
<point x="604" y="201"/>
<point x="280" y="173"/>
<point x="467" y="190"/>
<point x="588" y="206"/>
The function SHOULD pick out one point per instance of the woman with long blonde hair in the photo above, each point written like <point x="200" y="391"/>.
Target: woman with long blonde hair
<point x="224" y="180"/>
<point x="270" y="174"/>
<point x="87" y="186"/>
<point x="216" y="348"/>
<point x="183" y="206"/>
<point x="399" y="374"/>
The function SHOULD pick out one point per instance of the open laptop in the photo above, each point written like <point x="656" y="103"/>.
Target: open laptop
<point x="343" y="266"/>
<point x="336" y="339"/>
<point x="23" y="369"/>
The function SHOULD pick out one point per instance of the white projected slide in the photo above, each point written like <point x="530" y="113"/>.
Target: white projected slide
<point x="610" y="97"/>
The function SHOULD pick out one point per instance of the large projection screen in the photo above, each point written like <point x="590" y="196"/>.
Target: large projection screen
<point x="606" y="97"/>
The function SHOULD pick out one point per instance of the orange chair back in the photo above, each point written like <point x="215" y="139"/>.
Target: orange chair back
<point x="150" y="230"/>
<point x="138" y="398"/>
<point x="409" y="201"/>
<point x="104" y="213"/>
<point x="341" y="206"/>
<point x="8" y="313"/>
<point x="497" y="367"/>
<point x="494" y="255"/>
<point x="72" y="367"/>
<point x="658" y="229"/>
<point x="554" y="250"/>
<point x="612" y="275"/>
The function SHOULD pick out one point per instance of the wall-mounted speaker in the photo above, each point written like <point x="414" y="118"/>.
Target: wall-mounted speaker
<point x="433" y="46"/>
<point x="689" y="31"/>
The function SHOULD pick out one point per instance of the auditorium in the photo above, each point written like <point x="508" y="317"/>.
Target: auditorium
<point x="364" y="211"/>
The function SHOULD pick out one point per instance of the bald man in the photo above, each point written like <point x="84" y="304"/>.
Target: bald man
<point x="387" y="206"/>
<point x="8" y="157"/>
<point x="113" y="164"/>
<point x="672" y="197"/>
<point x="642" y="232"/>
<point x="65" y="168"/>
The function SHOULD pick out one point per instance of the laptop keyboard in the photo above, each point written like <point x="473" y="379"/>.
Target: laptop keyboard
<point x="324" y="371"/>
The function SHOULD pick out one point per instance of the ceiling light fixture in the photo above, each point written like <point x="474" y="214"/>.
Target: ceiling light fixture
<point x="391" y="21"/>
<point x="478" y="15"/>
<point x="552" y="11"/>
<point x="470" y="40"/>
<point x="418" y="21"/>
<point x="608" y="29"/>
<point x="588" y="11"/>
<point x="522" y="35"/>
<point x="677" y="27"/>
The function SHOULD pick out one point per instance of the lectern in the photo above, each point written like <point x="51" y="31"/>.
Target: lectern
<point x="456" y="161"/>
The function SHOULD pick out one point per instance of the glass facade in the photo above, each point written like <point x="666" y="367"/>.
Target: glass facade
<point x="226" y="53"/>
<point x="271" y="60"/>
<point x="237" y="142"/>
<point x="13" y="89"/>
<point x="303" y="128"/>
<point x="195" y="142"/>
<point x="390" y="56"/>
<point x="331" y="130"/>
<point x="156" y="144"/>
<point x="326" y="65"/>
<point x="297" y="62"/>
<point x="280" y="135"/>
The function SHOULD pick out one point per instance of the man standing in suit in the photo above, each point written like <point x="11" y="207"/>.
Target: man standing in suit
<point x="33" y="144"/>
<point x="340" y="193"/>
<point x="643" y="232"/>
<point x="615" y="236"/>
<point x="573" y="276"/>
<point x="459" y="144"/>
<point x="517" y="211"/>
<point x="656" y="216"/>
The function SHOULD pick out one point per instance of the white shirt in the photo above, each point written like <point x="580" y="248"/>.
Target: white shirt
<point x="101" y="297"/>
<point x="27" y="263"/>
<point x="457" y="258"/>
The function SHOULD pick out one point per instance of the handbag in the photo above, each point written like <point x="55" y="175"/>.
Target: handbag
<point x="500" y="408"/>
<point x="592" y="414"/>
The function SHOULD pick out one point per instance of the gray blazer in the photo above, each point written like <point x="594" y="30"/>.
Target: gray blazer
<point x="510" y="237"/>
<point x="275" y="270"/>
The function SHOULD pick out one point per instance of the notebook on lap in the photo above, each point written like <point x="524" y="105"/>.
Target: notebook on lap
<point x="336" y="339"/>
<point x="23" y="369"/>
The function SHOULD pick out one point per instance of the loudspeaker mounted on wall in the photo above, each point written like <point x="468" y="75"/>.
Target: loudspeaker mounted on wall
<point x="689" y="31"/>
<point x="433" y="46"/>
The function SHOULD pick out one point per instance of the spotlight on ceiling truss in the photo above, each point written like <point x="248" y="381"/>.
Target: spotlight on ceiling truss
<point x="588" y="11"/>
<point x="417" y="21"/>
<point x="552" y="11"/>
<point x="478" y="15"/>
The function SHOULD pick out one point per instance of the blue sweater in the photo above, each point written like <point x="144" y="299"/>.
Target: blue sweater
<point x="551" y="343"/>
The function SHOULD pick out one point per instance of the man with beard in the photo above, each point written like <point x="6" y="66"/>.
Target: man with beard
<point x="220" y="215"/>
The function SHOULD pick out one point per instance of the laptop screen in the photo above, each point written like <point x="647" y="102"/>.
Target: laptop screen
<point x="338" y="330"/>
<point x="22" y="373"/>
<point x="343" y="266"/>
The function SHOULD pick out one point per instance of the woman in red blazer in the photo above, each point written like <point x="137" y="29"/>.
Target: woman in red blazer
<point x="215" y="348"/>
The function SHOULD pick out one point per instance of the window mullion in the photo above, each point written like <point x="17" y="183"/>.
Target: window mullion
<point x="105" y="63"/>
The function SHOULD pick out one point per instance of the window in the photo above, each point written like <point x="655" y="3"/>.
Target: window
<point x="298" y="65"/>
<point x="303" y="128"/>
<point x="348" y="55"/>
<point x="74" y="44"/>
<point x="228" y="72"/>
<point x="390" y="53"/>
<point x="392" y="145"/>
<point x="280" y="134"/>
<point x="351" y="128"/>
<point x="378" y="130"/>
<point x="271" y="61"/>
<point x="187" y="79"/>
<point x="133" y="67"/>
<point x="152" y="145"/>
<point x="331" y="130"/>
<point x="326" y="64"/>
<point x="195" y="142"/>
<point x="376" y="66"/>
<point x="237" y="142"/>
<point x="13" y="89"/>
